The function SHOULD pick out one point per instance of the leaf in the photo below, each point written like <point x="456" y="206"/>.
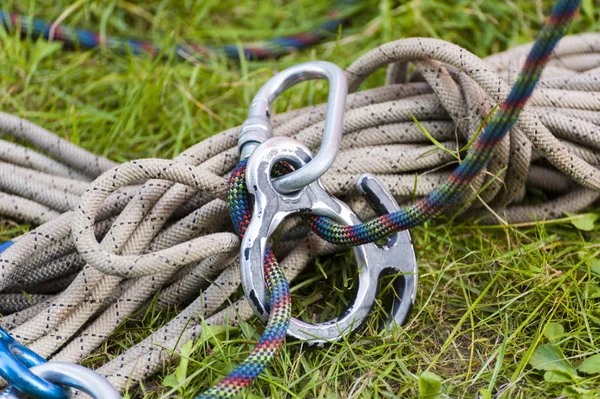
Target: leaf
<point x="248" y="331"/>
<point x="592" y="291"/>
<point x="182" y="368"/>
<point x="213" y="335"/>
<point x="557" y="376"/>
<point x="591" y="365"/>
<point x="432" y="139"/>
<point x="482" y="125"/>
<point x="584" y="222"/>
<point x="430" y="385"/>
<point x="574" y="391"/>
<point x="550" y="358"/>
<point x="170" y="381"/>
<point x="595" y="267"/>
<point x="587" y="7"/>
<point x="554" y="331"/>
<point x="177" y="379"/>
<point x="485" y="393"/>
<point x="593" y="318"/>
<point x="42" y="50"/>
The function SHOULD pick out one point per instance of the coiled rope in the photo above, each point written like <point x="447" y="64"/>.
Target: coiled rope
<point x="170" y="234"/>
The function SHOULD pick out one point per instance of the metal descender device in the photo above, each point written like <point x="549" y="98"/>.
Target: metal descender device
<point x="301" y="193"/>
<point x="275" y="199"/>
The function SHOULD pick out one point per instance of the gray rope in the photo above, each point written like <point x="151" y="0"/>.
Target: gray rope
<point x="103" y="249"/>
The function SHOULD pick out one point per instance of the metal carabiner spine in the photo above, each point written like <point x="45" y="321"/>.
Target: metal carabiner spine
<point x="257" y="127"/>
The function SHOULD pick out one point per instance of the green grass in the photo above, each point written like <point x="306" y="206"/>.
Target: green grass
<point x="486" y="295"/>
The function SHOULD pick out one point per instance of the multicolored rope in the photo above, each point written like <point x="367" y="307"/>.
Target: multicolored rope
<point x="271" y="48"/>
<point x="430" y="206"/>
<point x="478" y="156"/>
<point x="438" y="200"/>
<point x="280" y="300"/>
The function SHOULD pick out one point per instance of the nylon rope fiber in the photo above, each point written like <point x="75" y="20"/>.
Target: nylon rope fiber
<point x="275" y="47"/>
<point x="162" y="223"/>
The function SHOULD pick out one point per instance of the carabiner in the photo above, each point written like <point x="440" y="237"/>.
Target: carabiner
<point x="29" y="374"/>
<point x="272" y="207"/>
<point x="257" y="127"/>
<point x="15" y="362"/>
<point x="72" y="376"/>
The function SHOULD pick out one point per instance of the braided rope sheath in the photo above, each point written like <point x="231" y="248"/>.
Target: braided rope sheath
<point x="477" y="158"/>
<point x="431" y="205"/>
<point x="451" y="86"/>
<point x="278" y="290"/>
<point x="261" y="50"/>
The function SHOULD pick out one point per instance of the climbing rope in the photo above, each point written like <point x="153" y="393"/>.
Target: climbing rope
<point x="271" y="48"/>
<point x="279" y="296"/>
<point x="170" y="236"/>
<point x="479" y="154"/>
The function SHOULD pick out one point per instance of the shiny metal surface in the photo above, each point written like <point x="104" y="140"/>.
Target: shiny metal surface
<point x="272" y="207"/>
<point x="16" y="361"/>
<point x="257" y="127"/>
<point x="72" y="376"/>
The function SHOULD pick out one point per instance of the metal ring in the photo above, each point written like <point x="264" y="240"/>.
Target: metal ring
<point x="72" y="376"/>
<point x="15" y="363"/>
<point x="257" y="127"/>
<point x="271" y="208"/>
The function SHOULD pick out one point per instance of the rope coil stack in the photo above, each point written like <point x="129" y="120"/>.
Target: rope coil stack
<point x="160" y="226"/>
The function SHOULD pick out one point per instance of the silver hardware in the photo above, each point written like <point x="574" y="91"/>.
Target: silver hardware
<point x="272" y="207"/>
<point x="72" y="376"/>
<point x="257" y="127"/>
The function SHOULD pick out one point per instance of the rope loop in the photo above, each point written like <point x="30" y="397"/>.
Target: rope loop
<point x="481" y="152"/>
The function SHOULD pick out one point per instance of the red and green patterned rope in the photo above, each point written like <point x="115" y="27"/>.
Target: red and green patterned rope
<point x="270" y="48"/>
<point x="438" y="200"/>
<point x="478" y="156"/>
<point x="280" y="301"/>
<point x="430" y="206"/>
